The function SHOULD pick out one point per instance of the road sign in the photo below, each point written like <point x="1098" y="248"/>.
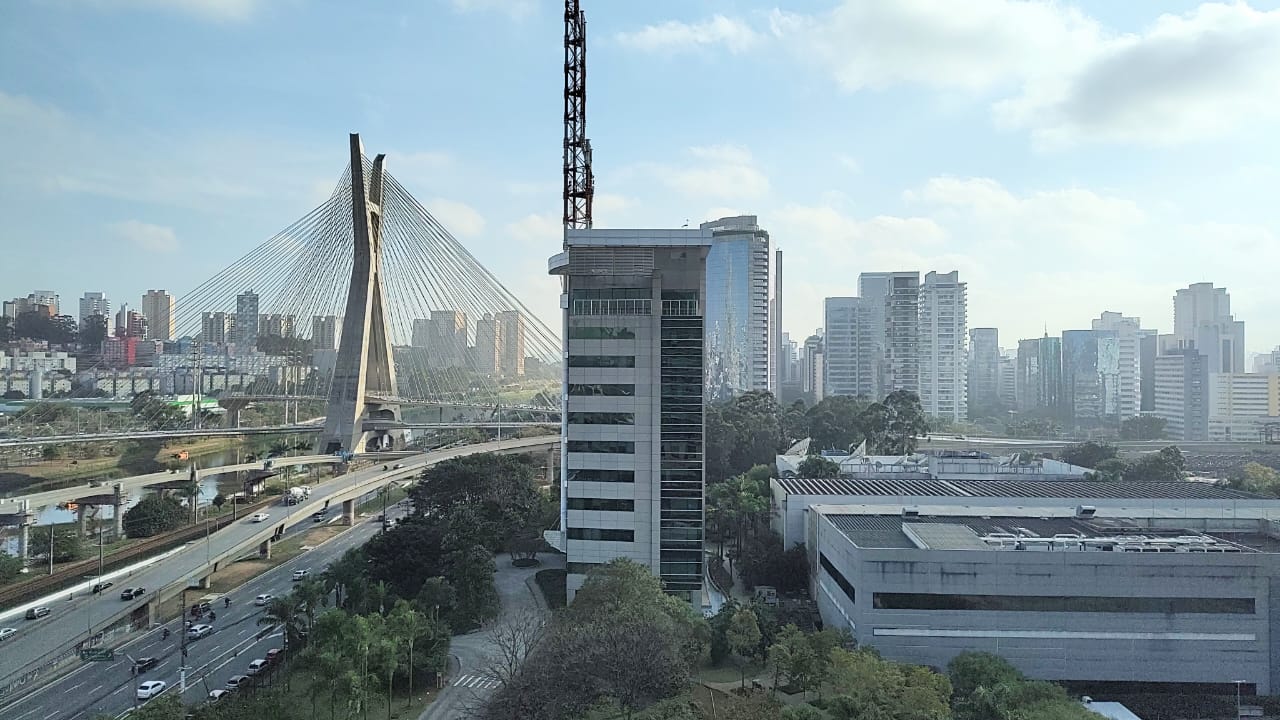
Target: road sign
<point x="98" y="654"/>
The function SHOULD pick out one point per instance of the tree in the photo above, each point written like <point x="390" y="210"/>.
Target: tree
<point x="404" y="556"/>
<point x="345" y="577"/>
<point x="219" y="500"/>
<point x="740" y="506"/>
<point x="1257" y="478"/>
<point x="10" y="567"/>
<point x="511" y="640"/>
<point x="866" y="686"/>
<point x="409" y="625"/>
<point x="1109" y="470"/>
<point x="437" y="598"/>
<point x="742" y="432"/>
<point x="93" y="332"/>
<point x="470" y="573"/>
<point x="906" y="422"/>
<point x="498" y="489"/>
<point x="285" y="613"/>
<point x="67" y="545"/>
<point x="1143" y="427"/>
<point x="153" y="515"/>
<point x="792" y="656"/>
<point x="56" y="330"/>
<point x="743" y="636"/>
<point x="816" y="466"/>
<point x="834" y="423"/>
<point x="1089" y="453"/>
<point x="1166" y="465"/>
<point x="970" y="671"/>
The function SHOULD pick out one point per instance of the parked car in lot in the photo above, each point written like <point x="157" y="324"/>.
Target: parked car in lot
<point x="302" y="574"/>
<point x="150" y="689"/>
<point x="144" y="664"/>
<point x="263" y="599"/>
<point x="36" y="613"/>
<point x="260" y="517"/>
<point x="195" y="632"/>
<point x="258" y="666"/>
<point x="237" y="681"/>
<point x="6" y="633"/>
<point x="131" y="593"/>
<point x="99" y="587"/>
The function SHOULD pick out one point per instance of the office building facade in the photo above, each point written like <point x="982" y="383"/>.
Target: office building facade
<point x="1182" y="393"/>
<point x="943" y="351"/>
<point x="1090" y="377"/>
<point x="983" y="371"/>
<point x="246" y="325"/>
<point x="849" y="348"/>
<point x="1202" y="320"/>
<point x="632" y="482"/>
<point x="1038" y="385"/>
<point x="1129" y="336"/>
<point x="738" y="314"/>
<point x="511" y="340"/>
<point x="157" y="308"/>
<point x="813" y="368"/>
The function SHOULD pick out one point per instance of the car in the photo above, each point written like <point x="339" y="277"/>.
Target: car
<point x="195" y="632"/>
<point x="237" y="681"/>
<point x="258" y="666"/>
<point x="142" y="665"/>
<point x="99" y="587"/>
<point x="36" y="613"/>
<point x="301" y="574"/>
<point x="131" y="593"/>
<point x="320" y="516"/>
<point x="150" y="689"/>
<point x="397" y="466"/>
<point x="6" y="633"/>
<point x="259" y="517"/>
<point x="274" y="655"/>
<point x="263" y="599"/>
<point x="216" y="695"/>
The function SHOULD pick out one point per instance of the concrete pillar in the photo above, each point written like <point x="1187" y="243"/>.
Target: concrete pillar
<point x="117" y="509"/>
<point x="348" y="512"/>
<point x="204" y="583"/>
<point x="82" y="519"/>
<point x="264" y="550"/>
<point x="24" y="540"/>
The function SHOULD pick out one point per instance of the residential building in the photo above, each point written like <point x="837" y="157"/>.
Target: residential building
<point x="157" y="308"/>
<point x="1181" y="393"/>
<point x="325" y="332"/>
<point x="274" y="324"/>
<point x="902" y="332"/>
<point x="1038" y="383"/>
<point x="216" y="327"/>
<point x="1066" y="591"/>
<point x="1090" y="377"/>
<point x="983" y="371"/>
<point x="246" y="325"/>
<point x="777" y="358"/>
<point x="27" y="360"/>
<point x="1242" y="405"/>
<point x="511" y="329"/>
<point x="942" y="352"/>
<point x="849" y="348"/>
<point x="1267" y="362"/>
<point x="95" y="303"/>
<point x="632" y="473"/>
<point x="45" y="302"/>
<point x="1202" y="320"/>
<point x="446" y="340"/>
<point x="1129" y="336"/>
<point x="813" y="368"/>
<point x="421" y="335"/>
<point x="131" y="324"/>
<point x="1148" y="349"/>
<point x="488" y="345"/>
<point x="120" y="352"/>
<point x="738" y="313"/>
<point x="1008" y="380"/>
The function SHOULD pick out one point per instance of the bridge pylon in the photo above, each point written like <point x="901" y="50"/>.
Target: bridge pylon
<point x="365" y="365"/>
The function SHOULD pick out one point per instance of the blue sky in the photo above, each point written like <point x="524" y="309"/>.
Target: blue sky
<point x="1065" y="158"/>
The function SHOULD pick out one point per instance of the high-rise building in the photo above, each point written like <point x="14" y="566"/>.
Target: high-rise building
<point x="446" y="340"/>
<point x="1148" y="349"/>
<point x="738" y="313"/>
<point x="813" y="368"/>
<point x="983" y="371"/>
<point x="849" y="347"/>
<point x="902" y="332"/>
<point x="44" y="302"/>
<point x="488" y="345"/>
<point x="1129" y="335"/>
<point x="943" y="354"/>
<point x="421" y="335"/>
<point x="96" y="303"/>
<point x="1202" y="320"/>
<point x="1182" y="393"/>
<point x="777" y="358"/>
<point x="131" y="324"/>
<point x="511" y="343"/>
<point x="157" y="308"/>
<point x="216" y="327"/>
<point x="275" y="324"/>
<point x="874" y="287"/>
<point x="1090" y="376"/>
<point x="1242" y="405"/>
<point x="325" y="332"/>
<point x="1038" y="384"/>
<point x="246" y="325"/>
<point x="1008" y="381"/>
<point x="633" y="402"/>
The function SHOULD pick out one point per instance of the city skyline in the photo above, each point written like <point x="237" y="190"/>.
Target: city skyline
<point x="912" y="163"/>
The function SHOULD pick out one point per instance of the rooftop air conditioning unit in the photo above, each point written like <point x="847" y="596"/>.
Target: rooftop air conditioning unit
<point x="910" y="512"/>
<point x="1086" y="511"/>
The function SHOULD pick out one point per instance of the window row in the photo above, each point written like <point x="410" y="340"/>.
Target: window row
<point x="602" y="361"/>
<point x="606" y="504"/>
<point x="622" y="476"/>
<point x="605" y="534"/>
<point x="601" y="418"/>
<point x="592" y="332"/>
<point x="616" y="447"/>
<point x="602" y="389"/>
<point x="835" y="574"/>
<point x="1055" y="603"/>
<point x="611" y="307"/>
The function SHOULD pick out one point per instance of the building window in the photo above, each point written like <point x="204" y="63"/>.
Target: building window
<point x="606" y="504"/>
<point x="602" y="361"/>
<point x="616" y="447"/>
<point x="604" y="534"/>
<point x="593" y="332"/>
<point x="602" y="418"/>
<point x="622" y="476"/>
<point x="1055" y="603"/>
<point x="844" y="584"/>
<point x="602" y="389"/>
<point x="611" y="301"/>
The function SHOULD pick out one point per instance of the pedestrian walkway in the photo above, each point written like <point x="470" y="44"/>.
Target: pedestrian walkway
<point x="479" y="682"/>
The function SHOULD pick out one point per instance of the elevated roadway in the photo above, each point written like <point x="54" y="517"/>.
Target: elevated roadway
<point x="50" y="643"/>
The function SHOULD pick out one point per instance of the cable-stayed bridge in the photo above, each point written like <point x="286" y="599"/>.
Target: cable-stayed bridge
<point x="366" y="312"/>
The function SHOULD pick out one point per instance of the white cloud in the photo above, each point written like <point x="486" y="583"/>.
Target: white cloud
<point x="145" y="236"/>
<point x="215" y="10"/>
<point x="459" y="218"/>
<point x="514" y="9"/>
<point x="543" y="229"/>
<point x="674" y="36"/>
<point x="725" y="172"/>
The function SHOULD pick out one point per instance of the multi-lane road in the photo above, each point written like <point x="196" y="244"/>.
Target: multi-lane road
<point x="74" y="619"/>
<point x="110" y="687"/>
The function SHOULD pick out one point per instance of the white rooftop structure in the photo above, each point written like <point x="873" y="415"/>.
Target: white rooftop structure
<point x="940" y="465"/>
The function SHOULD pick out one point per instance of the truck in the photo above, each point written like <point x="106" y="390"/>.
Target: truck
<point x="297" y="494"/>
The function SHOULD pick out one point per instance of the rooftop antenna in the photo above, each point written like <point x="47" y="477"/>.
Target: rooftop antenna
<point x="579" y="183"/>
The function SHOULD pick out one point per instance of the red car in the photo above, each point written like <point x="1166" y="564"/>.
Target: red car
<point x="274" y="655"/>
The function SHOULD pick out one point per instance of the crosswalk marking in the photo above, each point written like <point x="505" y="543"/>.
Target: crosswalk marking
<point x="475" y="682"/>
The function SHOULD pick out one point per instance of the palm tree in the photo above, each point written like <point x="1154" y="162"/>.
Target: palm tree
<point x="408" y="624"/>
<point x="284" y="612"/>
<point x="309" y="594"/>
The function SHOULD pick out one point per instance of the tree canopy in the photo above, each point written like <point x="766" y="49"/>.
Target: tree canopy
<point x="1143" y="427"/>
<point x="1088" y="454"/>
<point x="816" y="466"/>
<point x="153" y="515"/>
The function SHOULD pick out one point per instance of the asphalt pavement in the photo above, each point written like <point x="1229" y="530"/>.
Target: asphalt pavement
<point x="109" y="687"/>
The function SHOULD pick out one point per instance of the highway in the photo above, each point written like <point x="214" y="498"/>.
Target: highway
<point x="302" y="428"/>
<point x="73" y="620"/>
<point x="109" y="688"/>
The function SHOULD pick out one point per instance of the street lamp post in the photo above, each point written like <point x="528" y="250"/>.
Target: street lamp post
<point x="1238" y="684"/>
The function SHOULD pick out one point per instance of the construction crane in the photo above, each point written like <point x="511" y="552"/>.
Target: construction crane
<point x="579" y="184"/>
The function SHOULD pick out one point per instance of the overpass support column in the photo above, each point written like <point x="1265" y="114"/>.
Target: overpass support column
<point x="348" y="512"/>
<point x="82" y="519"/>
<point x="264" y="550"/>
<point x="24" y="540"/>
<point x="117" y="510"/>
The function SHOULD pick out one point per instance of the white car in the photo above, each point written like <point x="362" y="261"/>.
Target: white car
<point x="195" y="632"/>
<point x="150" y="689"/>
<point x="263" y="599"/>
<point x="6" y="633"/>
<point x="216" y="695"/>
<point x="257" y="666"/>
<point x="237" y="681"/>
<point x="259" y="517"/>
<point x="301" y="575"/>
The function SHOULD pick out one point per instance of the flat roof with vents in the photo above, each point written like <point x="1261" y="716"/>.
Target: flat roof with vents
<point x="1011" y="489"/>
